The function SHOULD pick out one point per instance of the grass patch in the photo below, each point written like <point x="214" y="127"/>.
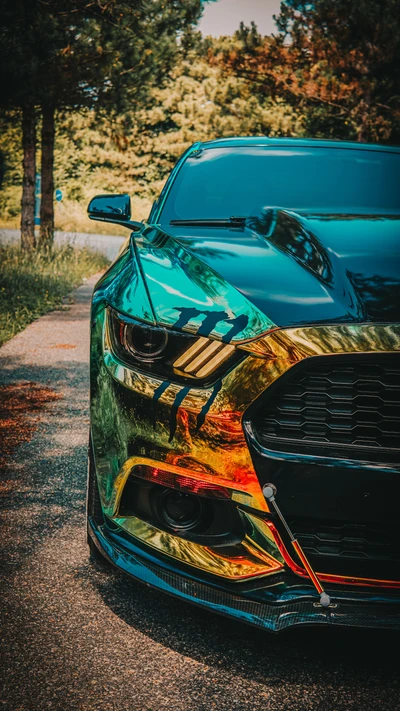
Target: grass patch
<point x="33" y="284"/>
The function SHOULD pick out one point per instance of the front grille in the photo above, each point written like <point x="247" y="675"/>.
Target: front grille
<point x="369" y="550"/>
<point x="351" y="401"/>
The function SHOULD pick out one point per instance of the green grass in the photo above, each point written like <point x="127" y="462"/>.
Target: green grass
<point x="33" y="284"/>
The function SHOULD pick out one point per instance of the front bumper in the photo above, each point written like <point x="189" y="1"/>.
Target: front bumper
<point x="138" y="420"/>
<point x="273" y="608"/>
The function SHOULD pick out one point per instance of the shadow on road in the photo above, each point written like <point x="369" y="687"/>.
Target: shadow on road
<point x="314" y="655"/>
<point x="42" y="482"/>
<point x="44" y="526"/>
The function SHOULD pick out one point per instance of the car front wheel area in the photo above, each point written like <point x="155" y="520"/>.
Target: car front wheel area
<point x="93" y="506"/>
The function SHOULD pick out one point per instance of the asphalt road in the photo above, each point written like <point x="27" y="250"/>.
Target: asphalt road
<point x="76" y="635"/>
<point x="107" y="244"/>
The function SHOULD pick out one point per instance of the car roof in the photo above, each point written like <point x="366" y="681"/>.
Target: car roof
<point x="251" y="141"/>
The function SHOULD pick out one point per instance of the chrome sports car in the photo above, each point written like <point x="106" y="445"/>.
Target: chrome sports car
<point x="245" y="384"/>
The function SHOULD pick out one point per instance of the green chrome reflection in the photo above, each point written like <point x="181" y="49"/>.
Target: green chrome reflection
<point x="190" y="296"/>
<point x="123" y="287"/>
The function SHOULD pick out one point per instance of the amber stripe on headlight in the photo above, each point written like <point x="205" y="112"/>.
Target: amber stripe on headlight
<point x="192" y="351"/>
<point x="203" y="357"/>
<point x="215" y="362"/>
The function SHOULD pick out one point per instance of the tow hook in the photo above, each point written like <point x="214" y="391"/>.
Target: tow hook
<point x="269" y="492"/>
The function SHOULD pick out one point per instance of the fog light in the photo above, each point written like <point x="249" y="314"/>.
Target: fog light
<point x="195" y="510"/>
<point x="180" y="511"/>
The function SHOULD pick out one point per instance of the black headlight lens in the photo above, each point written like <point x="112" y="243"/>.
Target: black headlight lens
<point x="142" y="341"/>
<point x="172" y="355"/>
<point x="180" y="511"/>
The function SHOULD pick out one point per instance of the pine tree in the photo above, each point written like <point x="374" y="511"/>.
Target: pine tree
<point x="80" y="53"/>
<point x="334" y="61"/>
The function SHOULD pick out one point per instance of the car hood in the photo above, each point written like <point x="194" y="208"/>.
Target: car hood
<point x="280" y="270"/>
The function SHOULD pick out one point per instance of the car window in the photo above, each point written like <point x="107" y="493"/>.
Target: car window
<point x="224" y="182"/>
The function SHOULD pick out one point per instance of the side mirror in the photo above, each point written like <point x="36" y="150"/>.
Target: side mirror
<point x="112" y="208"/>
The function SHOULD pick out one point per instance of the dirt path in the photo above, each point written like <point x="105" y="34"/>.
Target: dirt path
<point x="81" y="637"/>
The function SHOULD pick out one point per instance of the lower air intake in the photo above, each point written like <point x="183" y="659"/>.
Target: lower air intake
<point x="367" y="550"/>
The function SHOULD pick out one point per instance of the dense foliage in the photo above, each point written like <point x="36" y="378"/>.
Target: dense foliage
<point x="332" y="69"/>
<point x="135" y="151"/>
<point x="335" y="61"/>
<point x="61" y="55"/>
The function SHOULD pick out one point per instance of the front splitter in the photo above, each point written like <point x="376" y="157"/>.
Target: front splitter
<point x="377" y="611"/>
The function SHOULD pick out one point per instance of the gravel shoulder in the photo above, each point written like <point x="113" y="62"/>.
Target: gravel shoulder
<point x="81" y="636"/>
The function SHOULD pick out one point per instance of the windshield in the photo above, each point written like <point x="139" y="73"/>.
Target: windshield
<point x="219" y="183"/>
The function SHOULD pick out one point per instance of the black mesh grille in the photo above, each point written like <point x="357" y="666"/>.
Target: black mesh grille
<point x="348" y="540"/>
<point x="344" y="400"/>
<point x="369" y="550"/>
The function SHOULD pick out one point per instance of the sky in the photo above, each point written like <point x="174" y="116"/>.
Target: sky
<point x="223" y="17"/>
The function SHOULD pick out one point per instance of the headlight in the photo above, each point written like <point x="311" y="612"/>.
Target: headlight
<point x="169" y="354"/>
<point x="141" y="341"/>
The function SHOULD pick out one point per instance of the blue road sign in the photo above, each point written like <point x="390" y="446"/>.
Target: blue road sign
<point x="38" y="195"/>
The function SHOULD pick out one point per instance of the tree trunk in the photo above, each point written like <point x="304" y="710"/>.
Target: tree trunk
<point x="28" y="240"/>
<point x="47" y="204"/>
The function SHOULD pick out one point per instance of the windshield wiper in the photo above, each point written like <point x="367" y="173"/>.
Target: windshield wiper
<point x="224" y="222"/>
